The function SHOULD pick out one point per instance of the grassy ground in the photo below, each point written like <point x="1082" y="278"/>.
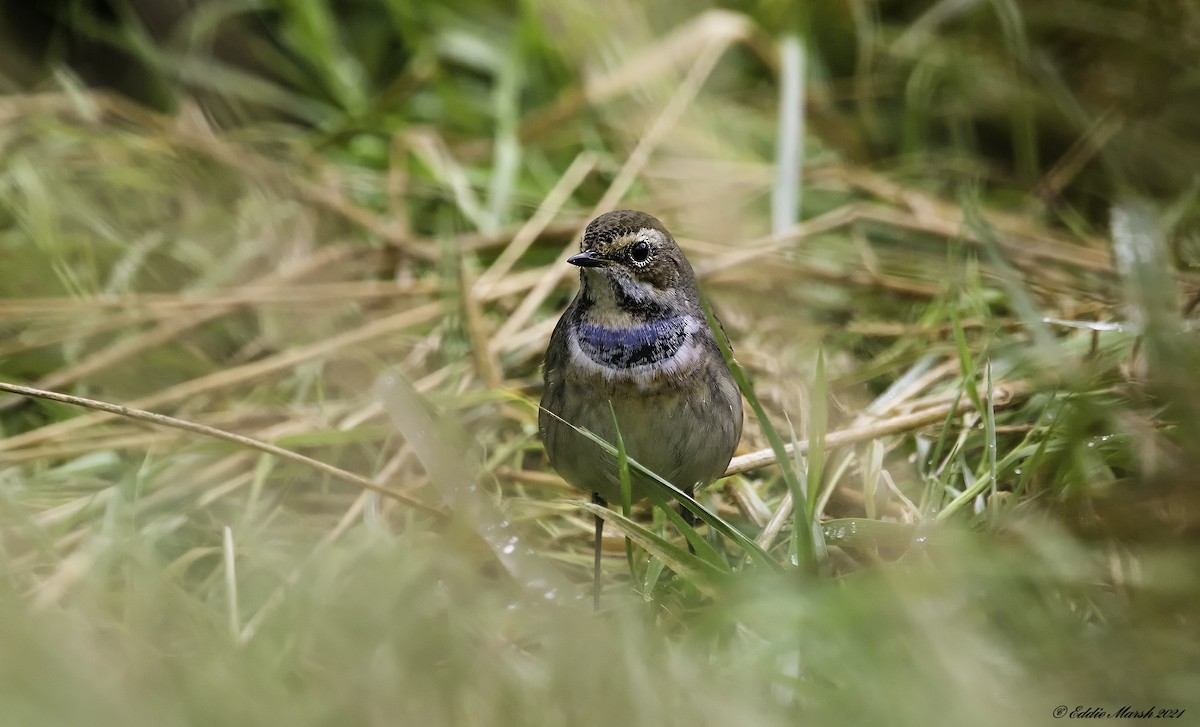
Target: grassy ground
<point x="347" y="243"/>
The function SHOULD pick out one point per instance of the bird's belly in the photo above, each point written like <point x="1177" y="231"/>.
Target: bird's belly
<point x="679" y="437"/>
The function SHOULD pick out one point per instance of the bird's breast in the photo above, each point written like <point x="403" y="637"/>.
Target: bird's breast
<point x="640" y="354"/>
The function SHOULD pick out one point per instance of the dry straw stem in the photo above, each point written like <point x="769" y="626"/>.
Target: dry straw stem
<point x="665" y="55"/>
<point x="73" y="448"/>
<point x="190" y="130"/>
<point x="205" y="430"/>
<point x="170" y="328"/>
<point x="241" y="419"/>
<point x="230" y="471"/>
<point x="549" y="208"/>
<point x="926" y="213"/>
<point x="154" y="306"/>
<point x="483" y="345"/>
<point x="696" y="46"/>
<point x="865" y="430"/>
<point x="907" y="210"/>
<point x="1093" y="139"/>
<point x="1003" y="395"/>
<point x="429" y="147"/>
<point x="486" y="364"/>
<point x="285" y="360"/>
<point x="199" y="137"/>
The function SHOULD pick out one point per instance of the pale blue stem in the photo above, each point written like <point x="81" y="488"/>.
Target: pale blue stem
<point x="789" y="148"/>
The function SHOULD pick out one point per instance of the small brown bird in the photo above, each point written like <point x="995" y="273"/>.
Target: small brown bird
<point x="635" y="336"/>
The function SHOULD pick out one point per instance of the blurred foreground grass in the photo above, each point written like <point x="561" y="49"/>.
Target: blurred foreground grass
<point x="995" y="260"/>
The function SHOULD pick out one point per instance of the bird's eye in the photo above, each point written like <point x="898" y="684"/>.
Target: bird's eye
<point x="640" y="252"/>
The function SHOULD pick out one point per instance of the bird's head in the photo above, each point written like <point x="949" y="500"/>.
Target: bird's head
<point x="630" y="261"/>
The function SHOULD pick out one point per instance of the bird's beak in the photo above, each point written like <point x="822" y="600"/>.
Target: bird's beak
<point x="586" y="260"/>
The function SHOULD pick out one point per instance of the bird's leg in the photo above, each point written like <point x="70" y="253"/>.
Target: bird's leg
<point x="689" y="517"/>
<point x="597" y="500"/>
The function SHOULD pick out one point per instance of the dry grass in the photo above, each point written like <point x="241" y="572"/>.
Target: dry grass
<point x="1003" y="483"/>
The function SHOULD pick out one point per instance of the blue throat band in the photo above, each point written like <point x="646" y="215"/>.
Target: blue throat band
<point x="648" y="343"/>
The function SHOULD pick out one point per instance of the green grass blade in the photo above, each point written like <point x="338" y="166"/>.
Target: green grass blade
<point x="654" y="571"/>
<point x="965" y="359"/>
<point x="868" y="535"/>
<point x="626" y="486"/>
<point x="989" y="430"/>
<point x="703" y="548"/>
<point x="818" y="422"/>
<point x="675" y="557"/>
<point x="965" y="497"/>
<point x="777" y="446"/>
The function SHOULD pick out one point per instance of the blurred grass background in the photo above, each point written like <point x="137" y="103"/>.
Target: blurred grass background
<point x="241" y="213"/>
